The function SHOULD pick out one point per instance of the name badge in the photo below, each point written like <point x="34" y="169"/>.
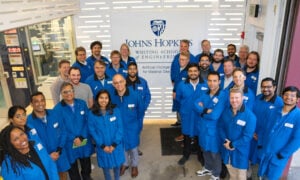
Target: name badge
<point x="112" y="119"/>
<point x="131" y="105"/>
<point x="109" y="82"/>
<point x="241" y="122"/>
<point x="125" y="71"/>
<point x="82" y="112"/>
<point x="215" y="100"/>
<point x="39" y="146"/>
<point x="221" y="74"/>
<point x="203" y="88"/>
<point x="271" y="107"/>
<point x="140" y="88"/>
<point x="246" y="98"/>
<point x="33" y="131"/>
<point x="55" y="125"/>
<point x="183" y="78"/>
<point x="253" y="77"/>
<point x="289" y="125"/>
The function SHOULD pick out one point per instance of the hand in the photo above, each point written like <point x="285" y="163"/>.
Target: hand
<point x="200" y="104"/>
<point x="209" y="111"/>
<point x="107" y="149"/>
<point x="227" y="146"/>
<point x="54" y="156"/>
<point x="111" y="149"/>
<point x="77" y="141"/>
<point x="255" y="136"/>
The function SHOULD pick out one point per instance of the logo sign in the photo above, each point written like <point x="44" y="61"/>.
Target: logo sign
<point x="158" y="26"/>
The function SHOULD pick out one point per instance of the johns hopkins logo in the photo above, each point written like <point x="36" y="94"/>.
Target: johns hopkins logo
<point x="158" y="26"/>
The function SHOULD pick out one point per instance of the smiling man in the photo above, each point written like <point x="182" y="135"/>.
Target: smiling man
<point x="281" y="137"/>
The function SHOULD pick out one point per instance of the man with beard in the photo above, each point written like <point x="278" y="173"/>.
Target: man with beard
<point x="205" y="46"/>
<point x="231" y="50"/>
<point x="204" y="63"/>
<point x="209" y="108"/>
<point x="176" y="70"/>
<point x="217" y="63"/>
<point x="243" y="54"/>
<point x="252" y="70"/>
<point x="281" y="136"/>
<point x="140" y="85"/>
<point x="187" y="91"/>
<point x="265" y="102"/>
<point x="96" y="48"/>
<point x="227" y="79"/>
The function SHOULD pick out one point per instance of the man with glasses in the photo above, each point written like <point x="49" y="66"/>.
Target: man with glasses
<point x="132" y="111"/>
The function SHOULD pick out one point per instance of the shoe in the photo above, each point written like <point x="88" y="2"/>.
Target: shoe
<point x="123" y="169"/>
<point x="140" y="152"/>
<point x="212" y="177"/>
<point x="179" y="138"/>
<point x="203" y="172"/>
<point x="134" y="172"/>
<point x="176" y="124"/>
<point x="182" y="160"/>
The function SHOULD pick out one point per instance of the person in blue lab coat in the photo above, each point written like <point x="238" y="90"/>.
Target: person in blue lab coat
<point x="96" y="47"/>
<point x="189" y="90"/>
<point x="265" y="102"/>
<point x="105" y="126"/>
<point x="116" y="67"/>
<point x="86" y="69"/>
<point x="100" y="80"/>
<point x="281" y="136"/>
<point x="22" y="159"/>
<point x="209" y="107"/>
<point x="74" y="114"/>
<point x="252" y="70"/>
<point x="132" y="112"/>
<point x="125" y="55"/>
<point x="217" y="62"/>
<point x="51" y="131"/>
<point x="175" y="72"/>
<point x="231" y="54"/>
<point x="236" y="128"/>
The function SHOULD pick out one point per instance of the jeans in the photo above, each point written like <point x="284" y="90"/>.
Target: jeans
<point x="106" y="172"/>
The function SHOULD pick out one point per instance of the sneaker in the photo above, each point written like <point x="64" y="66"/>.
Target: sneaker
<point x="212" y="177"/>
<point x="182" y="160"/>
<point x="203" y="172"/>
<point x="179" y="138"/>
<point x="176" y="124"/>
<point x="140" y="152"/>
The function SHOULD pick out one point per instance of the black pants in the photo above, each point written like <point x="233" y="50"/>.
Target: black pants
<point x="190" y="144"/>
<point x="86" y="170"/>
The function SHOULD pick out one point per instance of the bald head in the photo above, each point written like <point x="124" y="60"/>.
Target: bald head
<point x="119" y="84"/>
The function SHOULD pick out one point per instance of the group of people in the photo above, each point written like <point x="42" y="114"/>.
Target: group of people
<point x="99" y="107"/>
<point x="223" y="121"/>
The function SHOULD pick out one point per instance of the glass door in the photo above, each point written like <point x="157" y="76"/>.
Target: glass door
<point x="5" y="101"/>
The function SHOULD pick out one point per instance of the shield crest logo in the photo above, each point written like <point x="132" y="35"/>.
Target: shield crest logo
<point x="158" y="26"/>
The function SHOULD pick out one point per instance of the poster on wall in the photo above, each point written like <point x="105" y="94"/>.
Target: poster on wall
<point x="20" y="83"/>
<point x="11" y="40"/>
<point x="15" y="59"/>
<point x="154" y="37"/>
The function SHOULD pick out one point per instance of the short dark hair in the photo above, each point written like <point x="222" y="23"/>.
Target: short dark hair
<point x="132" y="64"/>
<point x="229" y="60"/>
<point x="95" y="43"/>
<point x="239" y="69"/>
<point x="274" y="83"/>
<point x="65" y="84"/>
<point x="214" y="73"/>
<point x="36" y="94"/>
<point x="73" y="68"/>
<point x="292" y="89"/>
<point x="219" y="50"/>
<point x="63" y="61"/>
<point x="204" y="55"/>
<point x="100" y="62"/>
<point x="190" y="65"/>
<point x="232" y="45"/>
<point x="80" y="48"/>
<point x="13" y="109"/>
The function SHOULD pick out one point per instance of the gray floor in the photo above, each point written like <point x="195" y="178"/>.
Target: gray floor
<point x="152" y="165"/>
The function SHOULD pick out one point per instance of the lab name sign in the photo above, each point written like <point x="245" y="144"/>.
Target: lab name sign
<point x="154" y="43"/>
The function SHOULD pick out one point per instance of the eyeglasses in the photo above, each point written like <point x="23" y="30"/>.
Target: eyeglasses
<point x="68" y="91"/>
<point x="18" y="116"/>
<point x="266" y="87"/>
<point x="118" y="82"/>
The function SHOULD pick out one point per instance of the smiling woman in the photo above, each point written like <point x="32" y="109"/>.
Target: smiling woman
<point x="24" y="159"/>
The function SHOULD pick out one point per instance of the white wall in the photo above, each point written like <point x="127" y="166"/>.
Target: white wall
<point x="18" y="13"/>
